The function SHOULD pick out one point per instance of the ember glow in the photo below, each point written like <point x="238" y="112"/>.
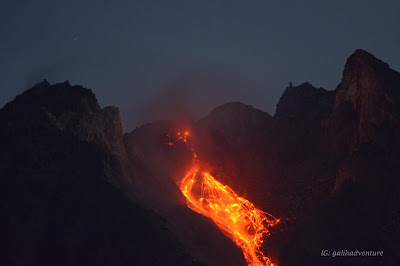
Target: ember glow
<point x="237" y="217"/>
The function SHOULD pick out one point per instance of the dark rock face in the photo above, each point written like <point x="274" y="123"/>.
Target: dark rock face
<point x="236" y="121"/>
<point x="57" y="203"/>
<point x="367" y="104"/>
<point x="301" y="109"/>
<point x="366" y="119"/>
<point x="363" y="130"/>
<point x="305" y="100"/>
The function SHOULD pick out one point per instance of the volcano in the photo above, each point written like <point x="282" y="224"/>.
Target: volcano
<point x="315" y="184"/>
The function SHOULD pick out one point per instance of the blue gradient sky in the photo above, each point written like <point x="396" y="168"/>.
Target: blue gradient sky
<point x="157" y="59"/>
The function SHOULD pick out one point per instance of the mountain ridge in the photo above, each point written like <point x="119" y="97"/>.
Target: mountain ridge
<point x="323" y="154"/>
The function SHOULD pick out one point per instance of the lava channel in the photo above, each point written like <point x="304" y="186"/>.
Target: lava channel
<point x="237" y="217"/>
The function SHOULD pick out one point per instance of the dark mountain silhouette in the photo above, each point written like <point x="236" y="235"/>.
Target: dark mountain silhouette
<point x="59" y="151"/>
<point x="327" y="163"/>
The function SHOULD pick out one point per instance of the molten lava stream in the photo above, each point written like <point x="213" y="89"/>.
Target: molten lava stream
<point x="242" y="222"/>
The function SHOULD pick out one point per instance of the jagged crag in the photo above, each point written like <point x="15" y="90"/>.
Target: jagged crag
<point x="76" y="190"/>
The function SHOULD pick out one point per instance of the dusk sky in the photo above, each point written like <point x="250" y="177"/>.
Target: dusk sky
<point x="153" y="58"/>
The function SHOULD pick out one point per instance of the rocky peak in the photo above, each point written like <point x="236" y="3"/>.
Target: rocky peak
<point x="365" y="68"/>
<point x="238" y="108"/>
<point x="367" y="104"/>
<point x="304" y="100"/>
<point x="43" y="84"/>
<point x="57" y="99"/>
<point x="235" y="118"/>
<point x="71" y="110"/>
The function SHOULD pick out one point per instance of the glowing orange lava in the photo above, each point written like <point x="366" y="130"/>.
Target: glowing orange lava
<point x="237" y="217"/>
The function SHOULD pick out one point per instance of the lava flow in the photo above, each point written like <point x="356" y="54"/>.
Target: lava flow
<point x="237" y="217"/>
